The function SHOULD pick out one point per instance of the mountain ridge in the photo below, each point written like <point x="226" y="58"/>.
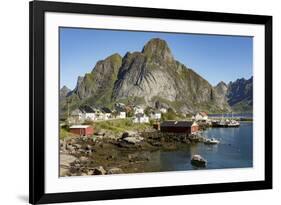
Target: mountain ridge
<point x="152" y="76"/>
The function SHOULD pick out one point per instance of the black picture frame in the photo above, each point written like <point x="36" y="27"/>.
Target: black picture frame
<point x="37" y="194"/>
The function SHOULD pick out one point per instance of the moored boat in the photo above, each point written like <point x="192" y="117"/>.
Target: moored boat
<point x="211" y="141"/>
<point x="233" y="123"/>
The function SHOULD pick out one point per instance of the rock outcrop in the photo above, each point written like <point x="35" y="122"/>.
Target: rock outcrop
<point x="240" y="95"/>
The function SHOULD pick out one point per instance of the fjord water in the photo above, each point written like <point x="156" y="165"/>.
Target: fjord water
<point x="234" y="151"/>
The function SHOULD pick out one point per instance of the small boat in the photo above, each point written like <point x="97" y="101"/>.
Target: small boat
<point x="198" y="161"/>
<point x="221" y="123"/>
<point x="211" y="141"/>
<point x="233" y="123"/>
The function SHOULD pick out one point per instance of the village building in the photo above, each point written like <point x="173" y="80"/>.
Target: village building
<point x="187" y="127"/>
<point x="119" y="107"/>
<point x="96" y="112"/>
<point x="77" y="115"/>
<point x="81" y="130"/>
<point x="155" y="115"/>
<point x="200" y="116"/>
<point x="140" y="118"/>
<point x="121" y="115"/>
<point x="89" y="112"/>
<point x="107" y="113"/>
<point x="122" y="110"/>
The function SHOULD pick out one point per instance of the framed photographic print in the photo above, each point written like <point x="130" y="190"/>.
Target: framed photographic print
<point x="141" y="102"/>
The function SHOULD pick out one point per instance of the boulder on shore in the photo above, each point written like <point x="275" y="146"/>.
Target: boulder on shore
<point x="133" y="139"/>
<point x="66" y="159"/>
<point x="198" y="161"/>
<point x="99" y="171"/>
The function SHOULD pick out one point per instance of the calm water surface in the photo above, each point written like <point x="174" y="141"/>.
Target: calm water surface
<point x="234" y="151"/>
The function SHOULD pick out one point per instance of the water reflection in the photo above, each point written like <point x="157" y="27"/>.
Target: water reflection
<point x="234" y="151"/>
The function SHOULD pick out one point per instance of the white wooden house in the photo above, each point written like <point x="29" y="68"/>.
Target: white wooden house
<point x="121" y="115"/>
<point x="76" y="116"/>
<point x="107" y="113"/>
<point x="200" y="116"/>
<point x="89" y="112"/>
<point x="119" y="107"/>
<point x="155" y="115"/>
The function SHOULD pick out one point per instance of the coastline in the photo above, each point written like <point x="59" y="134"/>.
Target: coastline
<point x="130" y="152"/>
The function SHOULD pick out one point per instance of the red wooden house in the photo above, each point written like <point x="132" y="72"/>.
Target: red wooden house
<point x="187" y="127"/>
<point x="82" y="130"/>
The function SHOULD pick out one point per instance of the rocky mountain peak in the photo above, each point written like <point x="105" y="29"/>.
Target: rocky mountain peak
<point x="240" y="94"/>
<point x="158" y="48"/>
<point x="221" y="84"/>
<point x="114" y="57"/>
<point x="112" y="61"/>
<point x="65" y="88"/>
<point x="221" y="89"/>
<point x="64" y="91"/>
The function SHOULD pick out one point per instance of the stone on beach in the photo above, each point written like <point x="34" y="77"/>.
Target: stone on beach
<point x="99" y="171"/>
<point x="133" y="139"/>
<point x="66" y="159"/>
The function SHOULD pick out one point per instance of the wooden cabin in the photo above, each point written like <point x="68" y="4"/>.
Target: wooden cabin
<point x="82" y="130"/>
<point x="187" y="127"/>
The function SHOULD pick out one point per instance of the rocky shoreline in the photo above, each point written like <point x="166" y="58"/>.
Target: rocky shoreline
<point x="105" y="153"/>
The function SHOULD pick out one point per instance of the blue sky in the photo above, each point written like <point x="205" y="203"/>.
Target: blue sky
<point x="216" y="58"/>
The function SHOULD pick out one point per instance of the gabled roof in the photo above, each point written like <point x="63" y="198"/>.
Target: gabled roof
<point x="120" y="107"/>
<point x="87" y="109"/>
<point x="106" y="110"/>
<point x="77" y="111"/>
<point x="177" y="124"/>
<point x="79" y="126"/>
<point x="203" y="113"/>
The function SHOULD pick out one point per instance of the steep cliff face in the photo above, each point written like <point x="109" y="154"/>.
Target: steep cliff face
<point x="149" y="77"/>
<point x="221" y="91"/>
<point x="96" y="87"/>
<point x="154" y="75"/>
<point x="240" y="95"/>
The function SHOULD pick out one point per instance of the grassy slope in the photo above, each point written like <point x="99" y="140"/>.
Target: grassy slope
<point x="119" y="125"/>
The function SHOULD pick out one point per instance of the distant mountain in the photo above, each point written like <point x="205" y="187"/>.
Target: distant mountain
<point x="149" y="78"/>
<point x="221" y="88"/>
<point x="64" y="91"/>
<point x="240" y="95"/>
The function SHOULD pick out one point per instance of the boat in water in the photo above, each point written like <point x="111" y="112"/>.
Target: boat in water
<point x="198" y="161"/>
<point x="226" y="123"/>
<point x="233" y="123"/>
<point x="211" y="141"/>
